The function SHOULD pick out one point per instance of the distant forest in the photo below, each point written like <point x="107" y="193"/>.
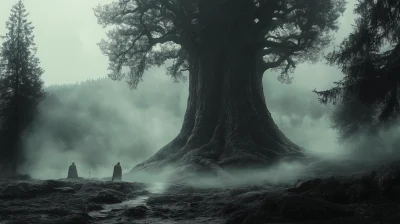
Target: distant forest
<point x="75" y="114"/>
<point x="86" y="116"/>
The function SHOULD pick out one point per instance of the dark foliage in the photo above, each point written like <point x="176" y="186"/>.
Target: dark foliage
<point x="20" y="86"/>
<point x="353" y="119"/>
<point x="148" y="33"/>
<point x="370" y="60"/>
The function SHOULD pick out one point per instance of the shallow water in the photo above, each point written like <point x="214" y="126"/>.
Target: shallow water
<point x="154" y="188"/>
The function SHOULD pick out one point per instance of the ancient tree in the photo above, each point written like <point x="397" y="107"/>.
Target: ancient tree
<point x="226" y="46"/>
<point x="21" y="88"/>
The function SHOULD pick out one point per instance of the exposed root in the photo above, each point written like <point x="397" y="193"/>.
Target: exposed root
<point x="214" y="158"/>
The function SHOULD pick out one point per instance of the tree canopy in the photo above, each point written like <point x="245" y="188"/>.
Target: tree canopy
<point x="370" y="60"/>
<point x="148" y="33"/>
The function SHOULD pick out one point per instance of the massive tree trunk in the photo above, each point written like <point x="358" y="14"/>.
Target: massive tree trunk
<point x="227" y="123"/>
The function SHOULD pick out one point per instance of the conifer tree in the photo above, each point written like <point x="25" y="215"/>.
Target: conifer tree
<point x="21" y="87"/>
<point x="370" y="60"/>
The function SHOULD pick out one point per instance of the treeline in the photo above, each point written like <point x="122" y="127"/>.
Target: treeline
<point x="101" y="118"/>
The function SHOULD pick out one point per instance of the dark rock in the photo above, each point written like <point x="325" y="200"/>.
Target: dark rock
<point x="300" y="208"/>
<point x="124" y="188"/>
<point x="75" y="219"/>
<point x="360" y="191"/>
<point x="94" y="207"/>
<point x="59" y="210"/>
<point x="193" y="204"/>
<point x="136" y="212"/>
<point x="239" y="216"/>
<point x="49" y="186"/>
<point x="304" y="185"/>
<point x="337" y="190"/>
<point x="303" y="208"/>
<point x="64" y="189"/>
<point x="393" y="192"/>
<point x="89" y="188"/>
<point x="162" y="199"/>
<point x="387" y="179"/>
<point x="197" y="198"/>
<point x="14" y="191"/>
<point x="16" y="222"/>
<point x="230" y="208"/>
<point x="108" y="197"/>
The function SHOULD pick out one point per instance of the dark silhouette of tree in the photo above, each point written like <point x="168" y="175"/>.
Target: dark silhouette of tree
<point x="355" y="119"/>
<point x="21" y="88"/>
<point x="370" y="60"/>
<point x="226" y="46"/>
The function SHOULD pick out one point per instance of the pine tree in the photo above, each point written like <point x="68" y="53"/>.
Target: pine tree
<point x="370" y="61"/>
<point x="21" y="87"/>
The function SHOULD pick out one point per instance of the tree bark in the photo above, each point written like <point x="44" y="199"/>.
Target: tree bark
<point x="227" y="123"/>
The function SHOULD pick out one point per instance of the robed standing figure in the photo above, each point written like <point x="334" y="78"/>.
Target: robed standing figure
<point x="117" y="174"/>
<point x="72" y="172"/>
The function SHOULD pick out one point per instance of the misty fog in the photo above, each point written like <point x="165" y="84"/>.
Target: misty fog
<point x="133" y="124"/>
<point x="128" y="126"/>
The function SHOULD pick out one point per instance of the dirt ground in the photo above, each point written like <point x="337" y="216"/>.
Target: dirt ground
<point x="368" y="197"/>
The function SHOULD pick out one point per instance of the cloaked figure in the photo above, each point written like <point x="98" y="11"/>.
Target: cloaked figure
<point x="72" y="172"/>
<point x="117" y="174"/>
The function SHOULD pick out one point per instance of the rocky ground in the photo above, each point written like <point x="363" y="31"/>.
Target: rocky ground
<point x="368" y="197"/>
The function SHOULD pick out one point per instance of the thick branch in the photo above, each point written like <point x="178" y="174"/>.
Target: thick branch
<point x="282" y="58"/>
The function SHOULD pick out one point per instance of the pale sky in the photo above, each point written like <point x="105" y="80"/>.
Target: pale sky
<point x="67" y="34"/>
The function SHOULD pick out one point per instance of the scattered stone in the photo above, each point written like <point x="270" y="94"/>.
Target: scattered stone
<point x="193" y="204"/>
<point x="304" y="185"/>
<point x="14" y="191"/>
<point x="138" y="212"/>
<point x="303" y="208"/>
<point x="16" y="222"/>
<point x="94" y="207"/>
<point x="359" y="192"/>
<point x="108" y="197"/>
<point x="387" y="179"/>
<point x="65" y="189"/>
<point x="74" y="219"/>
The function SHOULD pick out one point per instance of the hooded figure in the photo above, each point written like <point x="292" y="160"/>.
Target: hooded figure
<point x="117" y="174"/>
<point x="72" y="173"/>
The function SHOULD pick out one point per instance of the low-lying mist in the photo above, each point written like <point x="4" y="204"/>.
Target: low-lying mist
<point x="99" y="123"/>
